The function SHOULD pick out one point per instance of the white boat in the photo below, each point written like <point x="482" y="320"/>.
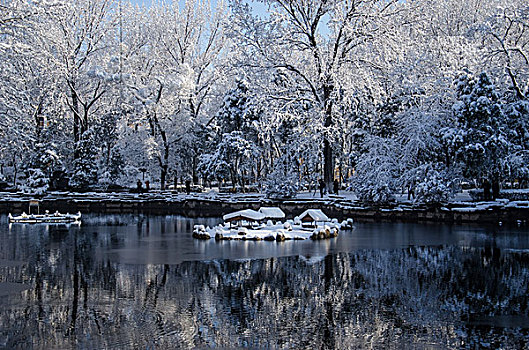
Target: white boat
<point x="55" y="218"/>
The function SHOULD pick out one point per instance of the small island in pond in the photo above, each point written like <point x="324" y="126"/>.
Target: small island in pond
<point x="267" y="225"/>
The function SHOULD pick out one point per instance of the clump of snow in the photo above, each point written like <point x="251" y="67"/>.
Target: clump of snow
<point x="248" y="214"/>
<point x="347" y="224"/>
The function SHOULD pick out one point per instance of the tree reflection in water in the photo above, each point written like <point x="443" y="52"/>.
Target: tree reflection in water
<point x="447" y="296"/>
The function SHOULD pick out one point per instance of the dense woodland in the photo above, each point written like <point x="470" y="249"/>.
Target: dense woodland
<point x="383" y="95"/>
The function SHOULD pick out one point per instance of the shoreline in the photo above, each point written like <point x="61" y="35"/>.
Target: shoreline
<point x="206" y="205"/>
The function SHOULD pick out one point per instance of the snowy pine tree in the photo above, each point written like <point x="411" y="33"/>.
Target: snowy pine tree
<point x="237" y="112"/>
<point x="44" y="160"/>
<point x="481" y="126"/>
<point x="234" y="145"/>
<point x="517" y="163"/>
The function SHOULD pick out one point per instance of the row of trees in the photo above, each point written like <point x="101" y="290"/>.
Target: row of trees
<point x="383" y="94"/>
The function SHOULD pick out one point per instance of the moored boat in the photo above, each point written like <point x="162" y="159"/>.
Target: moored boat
<point x="55" y="218"/>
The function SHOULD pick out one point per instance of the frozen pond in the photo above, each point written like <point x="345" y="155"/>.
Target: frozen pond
<point x="144" y="282"/>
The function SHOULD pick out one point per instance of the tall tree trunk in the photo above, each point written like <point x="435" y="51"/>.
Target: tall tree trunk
<point x="163" y="176"/>
<point x="76" y="120"/>
<point x="233" y="176"/>
<point x="15" y="171"/>
<point x="38" y="121"/>
<point x="328" y="161"/>
<point x="164" y="161"/>
<point x="328" y="166"/>
<point x="194" y="168"/>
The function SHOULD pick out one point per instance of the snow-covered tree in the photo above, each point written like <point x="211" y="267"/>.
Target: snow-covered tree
<point x="375" y="177"/>
<point x="506" y="40"/>
<point x="516" y="164"/>
<point x="40" y="167"/>
<point x="283" y="181"/>
<point x="480" y="136"/>
<point x="236" y="122"/>
<point x="171" y="75"/>
<point x="291" y="44"/>
<point x="233" y="155"/>
<point x="85" y="171"/>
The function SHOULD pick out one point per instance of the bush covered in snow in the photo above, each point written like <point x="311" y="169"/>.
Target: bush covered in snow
<point x="433" y="186"/>
<point x="282" y="183"/>
<point x="281" y="186"/>
<point x="41" y="165"/>
<point x="37" y="182"/>
<point x="85" y="165"/>
<point x="430" y="183"/>
<point x="374" y="192"/>
<point x="374" y="181"/>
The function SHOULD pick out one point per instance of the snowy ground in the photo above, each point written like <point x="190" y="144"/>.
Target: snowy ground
<point x="345" y="199"/>
<point x="347" y="195"/>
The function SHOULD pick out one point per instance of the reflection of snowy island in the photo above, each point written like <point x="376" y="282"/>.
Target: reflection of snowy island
<point x="266" y="225"/>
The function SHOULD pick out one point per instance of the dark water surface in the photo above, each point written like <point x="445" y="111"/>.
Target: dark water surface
<point x="138" y="282"/>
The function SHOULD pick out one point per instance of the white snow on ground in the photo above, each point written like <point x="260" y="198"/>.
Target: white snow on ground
<point x="345" y="200"/>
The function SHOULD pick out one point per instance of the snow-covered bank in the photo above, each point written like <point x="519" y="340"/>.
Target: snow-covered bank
<point x="210" y="204"/>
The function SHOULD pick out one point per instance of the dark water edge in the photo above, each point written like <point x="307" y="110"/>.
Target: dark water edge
<point x="142" y="282"/>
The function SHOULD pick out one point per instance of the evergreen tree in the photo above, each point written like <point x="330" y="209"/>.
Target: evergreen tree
<point x="517" y="163"/>
<point x="234" y="145"/>
<point x="237" y="112"/>
<point x="43" y="161"/>
<point x="481" y="126"/>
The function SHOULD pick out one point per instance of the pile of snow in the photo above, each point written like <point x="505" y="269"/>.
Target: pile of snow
<point x="347" y="224"/>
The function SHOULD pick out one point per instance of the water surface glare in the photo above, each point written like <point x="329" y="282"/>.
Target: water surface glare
<point x="143" y="282"/>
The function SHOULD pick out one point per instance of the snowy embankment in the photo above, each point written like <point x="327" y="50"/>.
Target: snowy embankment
<point x="212" y="203"/>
